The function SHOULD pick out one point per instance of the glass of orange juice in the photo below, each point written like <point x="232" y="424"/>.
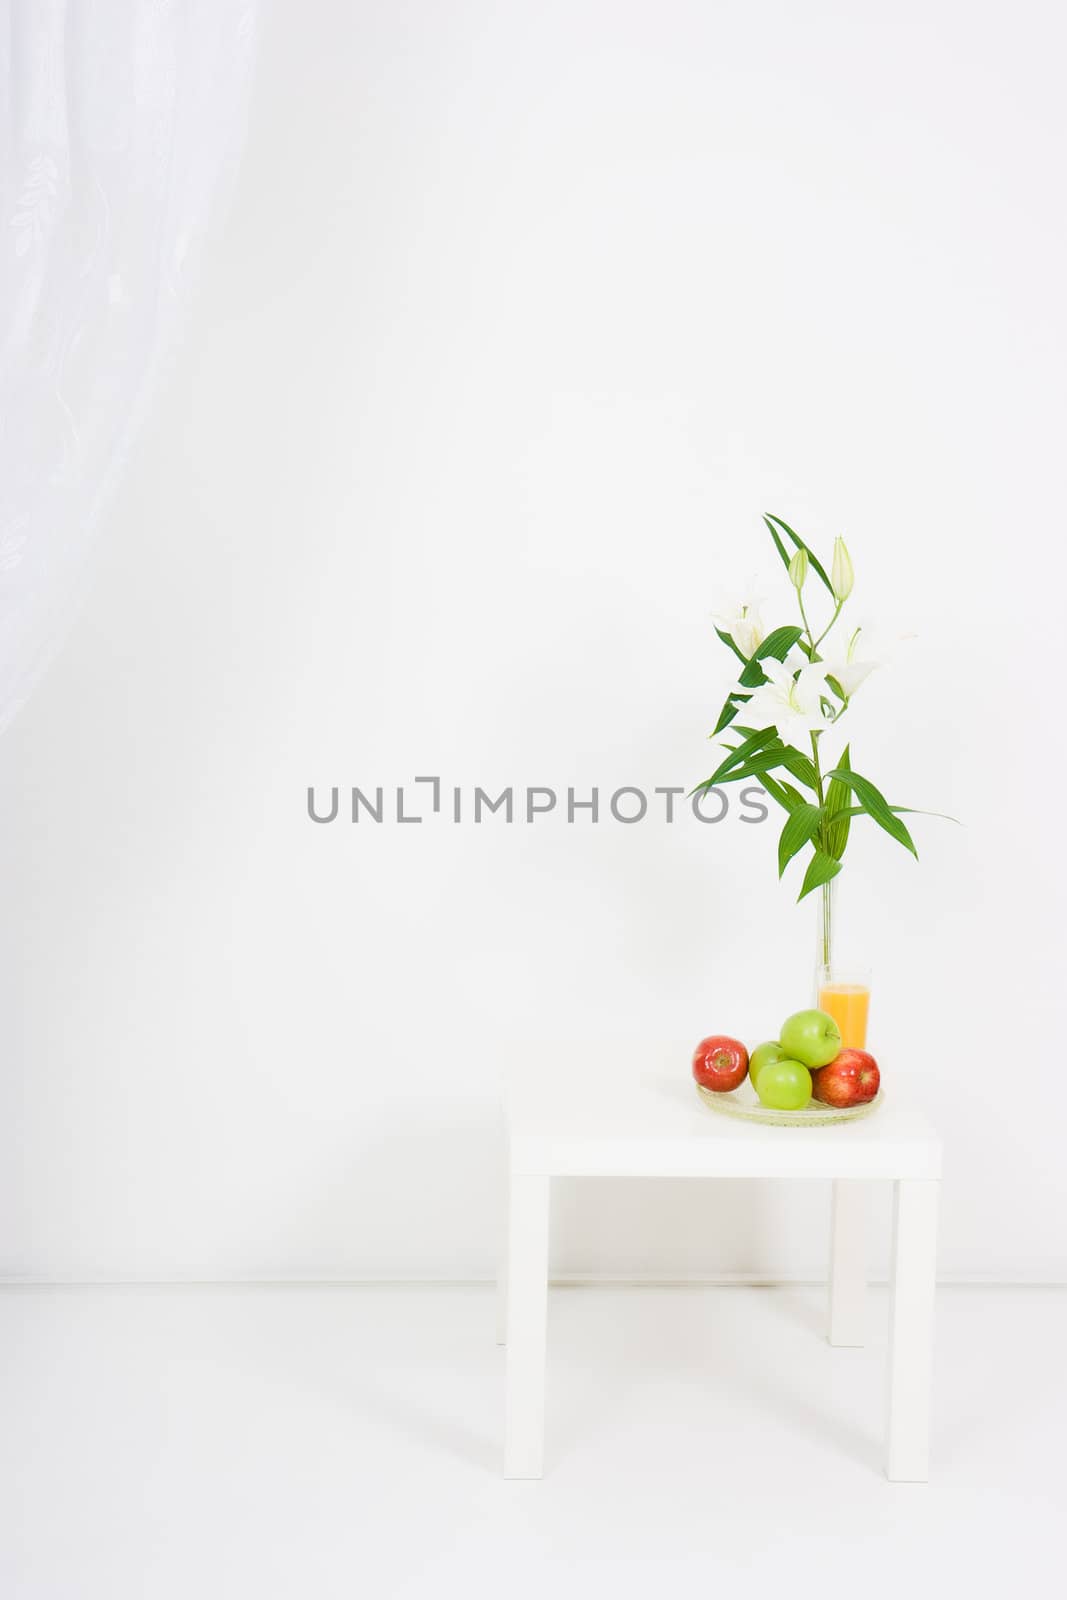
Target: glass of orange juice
<point x="846" y="994"/>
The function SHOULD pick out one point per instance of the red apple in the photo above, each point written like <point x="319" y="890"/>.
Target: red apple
<point x="720" y="1063"/>
<point x="850" y="1079"/>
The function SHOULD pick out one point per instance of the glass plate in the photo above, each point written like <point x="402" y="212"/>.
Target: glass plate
<point x="743" y="1103"/>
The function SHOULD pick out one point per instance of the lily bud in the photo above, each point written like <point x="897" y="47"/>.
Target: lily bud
<point x="798" y="570"/>
<point x="842" y="576"/>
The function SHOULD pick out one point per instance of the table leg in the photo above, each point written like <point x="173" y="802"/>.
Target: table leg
<point x="848" y="1262"/>
<point x="911" y="1329"/>
<point x="527" y="1315"/>
<point x="502" y="1269"/>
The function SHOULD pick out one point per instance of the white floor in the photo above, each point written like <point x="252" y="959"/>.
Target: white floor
<point x="321" y="1442"/>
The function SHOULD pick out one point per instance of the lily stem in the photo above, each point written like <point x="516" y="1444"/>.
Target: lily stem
<point x="829" y="625"/>
<point x="807" y="624"/>
<point x="818" y="769"/>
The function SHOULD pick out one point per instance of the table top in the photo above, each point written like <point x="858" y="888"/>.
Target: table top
<point x="632" y="1110"/>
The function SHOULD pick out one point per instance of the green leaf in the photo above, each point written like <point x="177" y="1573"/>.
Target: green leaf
<point x="731" y="706"/>
<point x="756" y="766"/>
<point x="778" y="645"/>
<point x="907" y="811"/>
<point x="765" y="753"/>
<point x="876" y="806"/>
<point x="817" y="565"/>
<point x="777" y="788"/>
<point x="732" y="645"/>
<point x="779" y="546"/>
<point x="741" y="753"/>
<point x="800" y="766"/>
<point x="838" y="816"/>
<point x="784" y="793"/>
<point x="765" y="761"/>
<point x="801" y="825"/>
<point x="726" y="716"/>
<point x="821" y="868"/>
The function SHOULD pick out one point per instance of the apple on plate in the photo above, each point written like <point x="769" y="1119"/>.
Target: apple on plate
<point x="850" y="1079"/>
<point x="761" y="1056"/>
<point x="720" y="1063"/>
<point x="784" y="1085"/>
<point x="811" y="1037"/>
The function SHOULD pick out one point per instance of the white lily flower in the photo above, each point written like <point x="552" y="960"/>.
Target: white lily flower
<point x="744" y="625"/>
<point x="791" y="704"/>
<point x="853" y="667"/>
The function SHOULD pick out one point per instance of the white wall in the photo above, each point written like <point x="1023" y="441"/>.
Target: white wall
<point x="523" y="316"/>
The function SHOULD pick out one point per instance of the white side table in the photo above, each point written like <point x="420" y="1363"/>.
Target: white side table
<point x="641" y="1118"/>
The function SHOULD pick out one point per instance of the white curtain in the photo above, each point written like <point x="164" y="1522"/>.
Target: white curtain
<point x="121" y="125"/>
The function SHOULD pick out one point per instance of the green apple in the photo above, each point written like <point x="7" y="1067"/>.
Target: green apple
<point x="771" y="1051"/>
<point x="812" y="1037"/>
<point x="784" y="1085"/>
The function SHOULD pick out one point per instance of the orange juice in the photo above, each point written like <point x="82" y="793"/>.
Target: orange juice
<point x="847" y="1003"/>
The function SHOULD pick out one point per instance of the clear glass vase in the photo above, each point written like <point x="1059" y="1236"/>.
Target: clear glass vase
<point x="826" y="906"/>
<point x="841" y="986"/>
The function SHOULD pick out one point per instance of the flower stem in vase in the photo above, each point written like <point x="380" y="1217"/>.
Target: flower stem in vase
<point x="824" y="949"/>
<point x="827" y="924"/>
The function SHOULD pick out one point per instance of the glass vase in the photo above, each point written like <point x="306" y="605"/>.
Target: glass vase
<point x="826" y="908"/>
<point x="841" y="987"/>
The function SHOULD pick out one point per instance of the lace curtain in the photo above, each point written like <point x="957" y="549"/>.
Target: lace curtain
<point x="121" y="125"/>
